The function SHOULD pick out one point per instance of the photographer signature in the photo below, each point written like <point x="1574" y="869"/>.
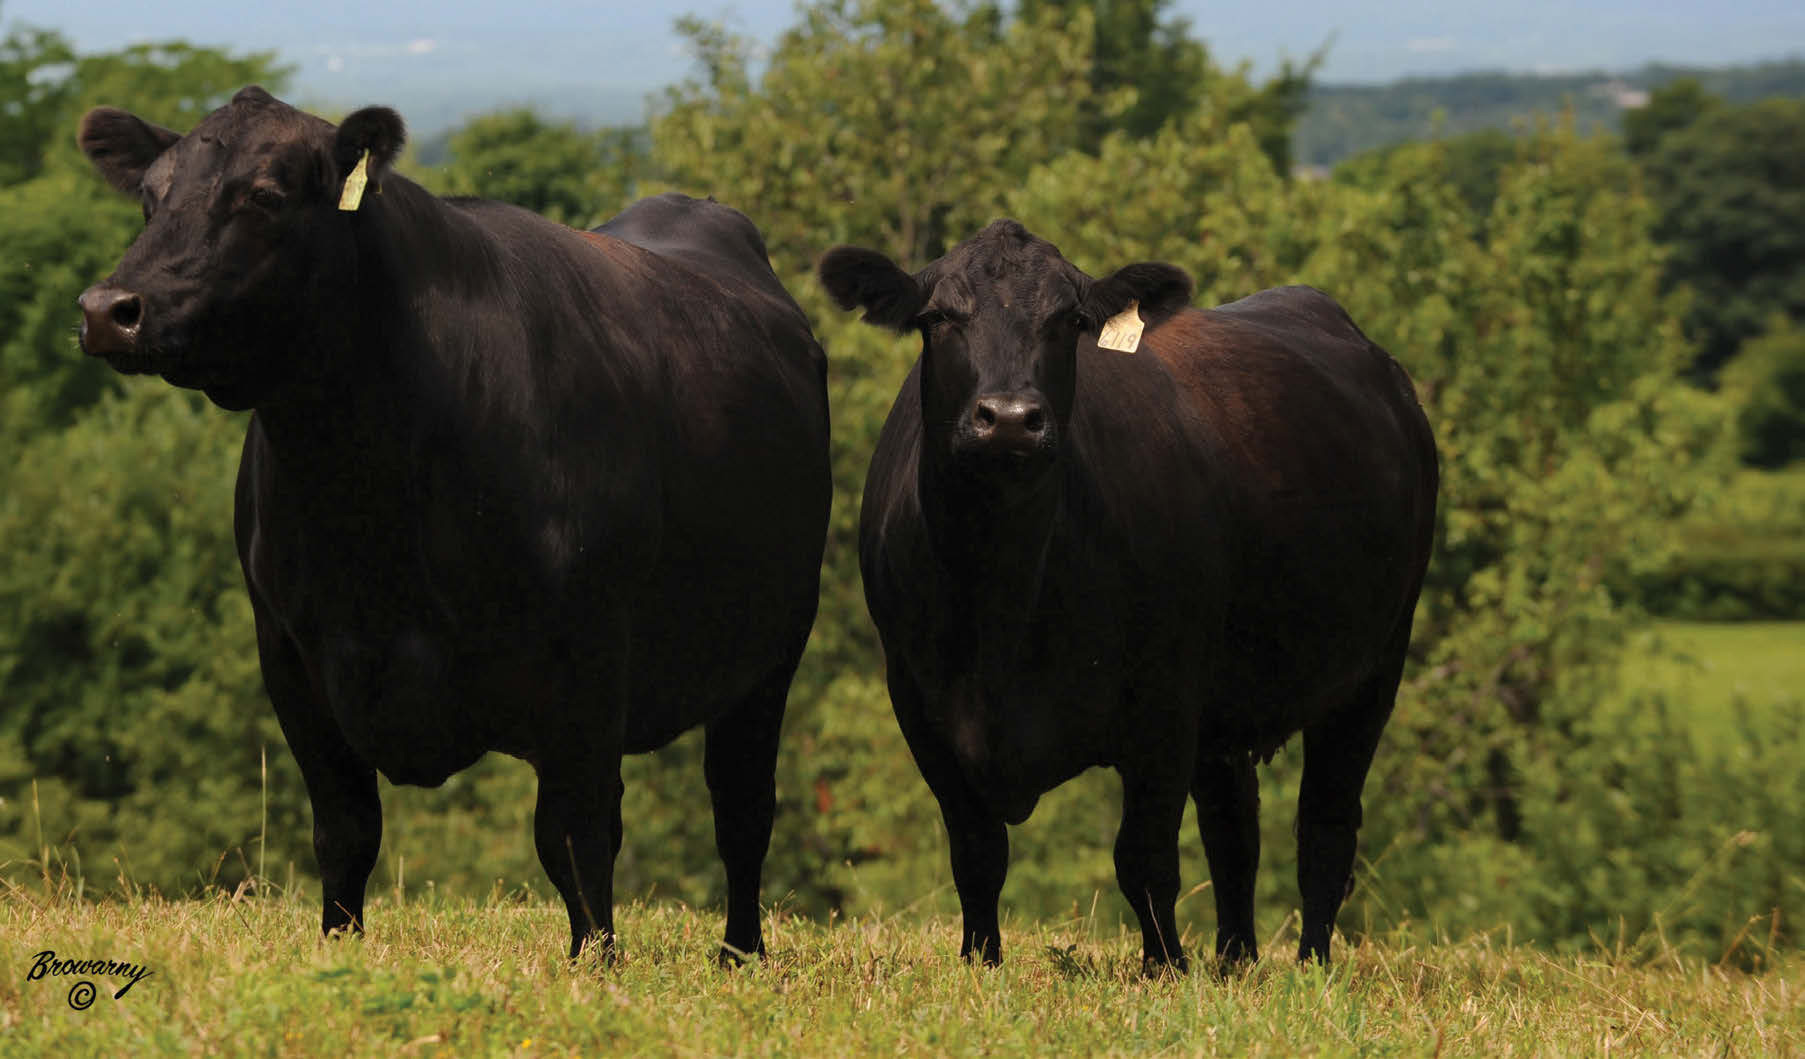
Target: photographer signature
<point x="45" y="964"/>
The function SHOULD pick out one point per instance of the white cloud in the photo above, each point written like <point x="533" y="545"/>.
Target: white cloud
<point x="369" y="50"/>
<point x="1429" y="45"/>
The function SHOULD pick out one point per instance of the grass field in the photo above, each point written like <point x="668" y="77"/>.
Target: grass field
<point x="1708" y="667"/>
<point x="456" y="978"/>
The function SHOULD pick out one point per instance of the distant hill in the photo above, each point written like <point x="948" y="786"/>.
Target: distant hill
<point x="1346" y="119"/>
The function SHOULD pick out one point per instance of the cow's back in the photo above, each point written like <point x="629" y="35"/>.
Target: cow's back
<point x="713" y="239"/>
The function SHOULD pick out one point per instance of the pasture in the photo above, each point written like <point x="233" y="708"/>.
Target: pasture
<point x="1715" y="671"/>
<point x="455" y="977"/>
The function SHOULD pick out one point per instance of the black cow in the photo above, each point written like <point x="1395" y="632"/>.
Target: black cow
<point x="1166" y="561"/>
<point x="508" y="486"/>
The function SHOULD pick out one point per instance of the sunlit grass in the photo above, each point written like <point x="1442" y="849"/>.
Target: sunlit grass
<point x="466" y="978"/>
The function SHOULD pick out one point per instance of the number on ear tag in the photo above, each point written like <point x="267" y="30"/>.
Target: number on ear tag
<point x="1122" y="332"/>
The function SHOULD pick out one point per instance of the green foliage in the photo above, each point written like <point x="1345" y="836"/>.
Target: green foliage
<point x="1669" y="108"/>
<point x="1739" y="556"/>
<point x="31" y="100"/>
<point x="1768" y="379"/>
<point x="62" y="228"/>
<point x="129" y="685"/>
<point x="571" y="176"/>
<point x="1167" y="74"/>
<point x="896" y="125"/>
<point x="1472" y="162"/>
<point x="1731" y="194"/>
<point x="1140" y="49"/>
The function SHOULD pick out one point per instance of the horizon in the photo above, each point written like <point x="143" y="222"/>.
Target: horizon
<point x="442" y="63"/>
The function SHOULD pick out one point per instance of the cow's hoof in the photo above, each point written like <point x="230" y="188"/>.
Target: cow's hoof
<point x="728" y="956"/>
<point x="1161" y="967"/>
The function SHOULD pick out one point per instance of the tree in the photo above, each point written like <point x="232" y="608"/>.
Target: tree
<point x="1670" y="108"/>
<point x="119" y="587"/>
<point x="1143" y="53"/>
<point x="1731" y="198"/>
<point x="895" y="125"/>
<point x="32" y="98"/>
<point x="1766" y="381"/>
<point x="1473" y="162"/>
<point x="555" y="169"/>
<point x="64" y="229"/>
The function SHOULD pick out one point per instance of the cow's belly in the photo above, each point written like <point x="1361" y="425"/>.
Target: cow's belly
<point x="1014" y="747"/>
<point x="410" y="707"/>
<point x="1294" y="656"/>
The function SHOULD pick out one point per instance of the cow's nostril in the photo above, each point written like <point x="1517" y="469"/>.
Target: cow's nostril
<point x="127" y="311"/>
<point x="986" y="415"/>
<point x="1034" y="421"/>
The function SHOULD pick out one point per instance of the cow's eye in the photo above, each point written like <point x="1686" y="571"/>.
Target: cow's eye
<point x="266" y="198"/>
<point x="930" y="319"/>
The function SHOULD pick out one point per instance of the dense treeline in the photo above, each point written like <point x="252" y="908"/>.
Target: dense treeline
<point x="1537" y="299"/>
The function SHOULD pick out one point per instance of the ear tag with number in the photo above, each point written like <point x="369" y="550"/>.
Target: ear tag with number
<point x="1122" y="332"/>
<point x="353" y="195"/>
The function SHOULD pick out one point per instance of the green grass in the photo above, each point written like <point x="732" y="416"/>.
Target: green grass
<point x="461" y="978"/>
<point x="1707" y="668"/>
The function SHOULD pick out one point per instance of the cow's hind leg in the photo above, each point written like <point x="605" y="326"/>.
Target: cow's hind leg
<point x="1227" y="792"/>
<point x="1337" y="754"/>
<point x="347" y="809"/>
<point x="1153" y="806"/>
<point x="740" y="762"/>
<point x="977" y="837"/>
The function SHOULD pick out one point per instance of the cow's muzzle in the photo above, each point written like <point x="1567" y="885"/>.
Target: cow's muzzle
<point x="111" y="319"/>
<point x="1009" y="423"/>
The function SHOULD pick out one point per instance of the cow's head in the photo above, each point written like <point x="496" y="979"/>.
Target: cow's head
<point x="244" y="249"/>
<point x="1001" y="317"/>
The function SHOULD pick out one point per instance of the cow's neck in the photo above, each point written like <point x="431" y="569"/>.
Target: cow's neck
<point x="992" y="549"/>
<point x="414" y="254"/>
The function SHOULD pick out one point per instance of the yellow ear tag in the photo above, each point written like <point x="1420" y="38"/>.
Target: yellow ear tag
<point x="1122" y="332"/>
<point x="353" y="195"/>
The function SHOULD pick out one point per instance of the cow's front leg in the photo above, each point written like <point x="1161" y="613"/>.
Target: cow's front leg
<point x="978" y="839"/>
<point x="1227" y="792"/>
<point x="574" y="825"/>
<point x="1153" y="805"/>
<point x="341" y="786"/>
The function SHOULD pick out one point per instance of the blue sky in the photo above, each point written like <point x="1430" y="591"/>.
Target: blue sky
<point x="439" y="60"/>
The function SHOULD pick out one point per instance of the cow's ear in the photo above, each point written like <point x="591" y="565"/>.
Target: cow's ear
<point x="122" y="146"/>
<point x="377" y="130"/>
<point x="1161" y="290"/>
<point x="864" y="279"/>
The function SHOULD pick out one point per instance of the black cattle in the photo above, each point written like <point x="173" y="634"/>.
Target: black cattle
<point x="1165" y="561"/>
<point x="508" y="486"/>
